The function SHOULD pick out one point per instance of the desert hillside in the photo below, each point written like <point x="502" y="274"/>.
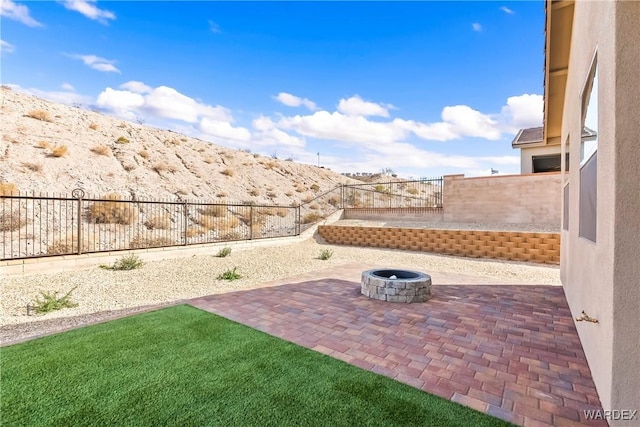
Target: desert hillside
<point x="53" y="148"/>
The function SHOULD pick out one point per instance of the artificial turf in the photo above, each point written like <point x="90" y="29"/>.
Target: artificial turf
<point x="181" y="366"/>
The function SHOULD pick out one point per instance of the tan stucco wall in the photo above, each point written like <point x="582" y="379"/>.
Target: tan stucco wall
<point x="527" y="153"/>
<point x="516" y="199"/>
<point x="603" y="278"/>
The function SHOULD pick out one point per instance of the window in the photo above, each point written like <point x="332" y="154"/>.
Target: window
<point x="548" y="163"/>
<point x="589" y="157"/>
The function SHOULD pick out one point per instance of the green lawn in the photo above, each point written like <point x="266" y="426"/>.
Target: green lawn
<point x="181" y="366"/>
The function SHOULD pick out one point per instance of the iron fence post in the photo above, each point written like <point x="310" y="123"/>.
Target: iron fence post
<point x="250" y="222"/>
<point x="185" y="213"/>
<point x="78" y="193"/>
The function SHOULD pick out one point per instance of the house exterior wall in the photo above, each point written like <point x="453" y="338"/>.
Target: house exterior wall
<point x="517" y="199"/>
<point x="527" y="153"/>
<point x="603" y="278"/>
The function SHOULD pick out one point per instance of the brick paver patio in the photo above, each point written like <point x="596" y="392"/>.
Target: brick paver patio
<point x="508" y="350"/>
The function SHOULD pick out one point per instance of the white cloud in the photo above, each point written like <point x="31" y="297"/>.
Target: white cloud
<point x="521" y="112"/>
<point x="17" y="12"/>
<point x="67" y="86"/>
<point x="6" y="47"/>
<point x="224" y="130"/>
<point x="66" y="97"/>
<point x="163" y="102"/>
<point x="121" y="102"/>
<point x="213" y="27"/>
<point x="136" y="87"/>
<point x="294" y="101"/>
<point x="97" y="63"/>
<point x="506" y="10"/>
<point x="476" y="27"/>
<point x="89" y="9"/>
<point x="356" y="106"/>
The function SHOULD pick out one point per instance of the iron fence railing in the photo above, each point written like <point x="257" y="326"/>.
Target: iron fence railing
<point x="39" y="226"/>
<point x="424" y="193"/>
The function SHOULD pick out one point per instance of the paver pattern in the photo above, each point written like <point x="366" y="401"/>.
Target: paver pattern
<point x="511" y="351"/>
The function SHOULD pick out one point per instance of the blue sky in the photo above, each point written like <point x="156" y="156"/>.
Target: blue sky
<point x="423" y="88"/>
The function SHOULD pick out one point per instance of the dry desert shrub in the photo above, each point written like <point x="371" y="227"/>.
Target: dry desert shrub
<point x="307" y="198"/>
<point x="221" y="194"/>
<point x="69" y="245"/>
<point x="112" y="211"/>
<point x="93" y="126"/>
<point x="311" y="218"/>
<point x="172" y="168"/>
<point x="333" y="200"/>
<point x="315" y="187"/>
<point x="208" y="160"/>
<point x="282" y="212"/>
<point x="228" y="172"/>
<point x="43" y="144"/>
<point x="144" y="154"/>
<point x="271" y="195"/>
<point x="33" y="167"/>
<point x="158" y="222"/>
<point x="8" y="189"/>
<point x="300" y="188"/>
<point x="150" y="242"/>
<point x="59" y="151"/>
<point x="288" y="194"/>
<point x="39" y="115"/>
<point x="122" y="140"/>
<point x="12" y="220"/>
<point x="101" y="150"/>
<point x="160" y="167"/>
<point x="412" y="190"/>
<point x="314" y="206"/>
<point x="195" y="231"/>
<point x="270" y="165"/>
<point x="214" y="210"/>
<point x="207" y="222"/>
<point x="254" y="192"/>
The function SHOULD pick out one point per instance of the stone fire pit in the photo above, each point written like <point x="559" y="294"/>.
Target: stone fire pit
<point x="396" y="285"/>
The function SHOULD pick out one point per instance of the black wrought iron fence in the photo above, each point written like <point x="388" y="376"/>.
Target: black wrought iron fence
<point x="39" y="226"/>
<point x="319" y="208"/>
<point x="423" y="193"/>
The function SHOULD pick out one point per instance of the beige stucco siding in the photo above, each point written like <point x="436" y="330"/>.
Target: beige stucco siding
<point x="518" y="199"/>
<point x="603" y="278"/>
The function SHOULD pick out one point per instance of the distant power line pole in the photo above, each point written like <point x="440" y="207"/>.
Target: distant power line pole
<point x="318" y="159"/>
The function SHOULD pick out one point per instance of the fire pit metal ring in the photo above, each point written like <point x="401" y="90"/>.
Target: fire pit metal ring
<point x="396" y="285"/>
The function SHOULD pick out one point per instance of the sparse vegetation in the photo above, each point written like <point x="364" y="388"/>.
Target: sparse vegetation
<point x="314" y="206"/>
<point x="254" y="192"/>
<point x="101" y="150"/>
<point x="228" y="172"/>
<point x="112" y="211"/>
<point x="334" y="200"/>
<point x="214" y="210"/>
<point x="158" y="222"/>
<point x="122" y="140"/>
<point x="195" y="231"/>
<point x="150" y="242"/>
<point x="160" y="167"/>
<point x="33" y="167"/>
<point x="230" y="275"/>
<point x="144" y="154"/>
<point x="41" y="115"/>
<point x="11" y="220"/>
<point x="69" y="245"/>
<point x="172" y="168"/>
<point x="311" y="217"/>
<point x="208" y="160"/>
<point x="93" y="126"/>
<point x="315" y="187"/>
<point x="43" y="144"/>
<point x="8" y="189"/>
<point x="307" y="198"/>
<point x="325" y="254"/>
<point x="59" y="151"/>
<point x="270" y="165"/>
<point x="52" y="302"/>
<point x="224" y="252"/>
<point x="412" y="190"/>
<point x="127" y="262"/>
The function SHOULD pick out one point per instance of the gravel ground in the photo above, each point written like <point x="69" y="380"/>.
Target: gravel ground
<point x="441" y="225"/>
<point x="103" y="293"/>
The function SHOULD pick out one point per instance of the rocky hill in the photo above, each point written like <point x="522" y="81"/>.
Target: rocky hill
<point x="53" y="148"/>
